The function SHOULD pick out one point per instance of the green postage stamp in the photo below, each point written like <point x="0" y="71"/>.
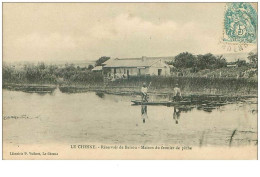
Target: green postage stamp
<point x="240" y="23"/>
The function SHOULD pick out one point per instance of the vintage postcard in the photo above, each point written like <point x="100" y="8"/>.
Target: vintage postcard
<point x="130" y="80"/>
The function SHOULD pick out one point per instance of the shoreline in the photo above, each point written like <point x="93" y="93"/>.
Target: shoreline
<point x="116" y="90"/>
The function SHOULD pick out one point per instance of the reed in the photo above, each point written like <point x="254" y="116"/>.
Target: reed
<point x="74" y="76"/>
<point x="193" y="84"/>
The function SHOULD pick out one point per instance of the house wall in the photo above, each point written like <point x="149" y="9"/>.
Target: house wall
<point x="154" y="71"/>
<point x="166" y="71"/>
<point x="132" y="71"/>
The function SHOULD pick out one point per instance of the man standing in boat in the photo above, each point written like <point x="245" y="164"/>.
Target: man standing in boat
<point x="177" y="93"/>
<point x="144" y="90"/>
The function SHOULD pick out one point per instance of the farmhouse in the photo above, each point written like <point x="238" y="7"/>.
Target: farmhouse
<point x="97" y="69"/>
<point x="137" y="66"/>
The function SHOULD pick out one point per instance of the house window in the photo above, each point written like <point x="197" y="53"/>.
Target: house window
<point x="114" y="70"/>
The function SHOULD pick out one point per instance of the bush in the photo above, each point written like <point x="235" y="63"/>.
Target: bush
<point x="184" y="60"/>
<point x="43" y="74"/>
<point x="199" y="62"/>
<point x="241" y="63"/>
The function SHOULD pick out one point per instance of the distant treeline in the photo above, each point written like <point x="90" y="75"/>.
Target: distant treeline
<point x="49" y="74"/>
<point x="208" y="61"/>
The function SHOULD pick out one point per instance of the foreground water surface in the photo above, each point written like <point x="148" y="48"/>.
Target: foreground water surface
<point x="33" y="118"/>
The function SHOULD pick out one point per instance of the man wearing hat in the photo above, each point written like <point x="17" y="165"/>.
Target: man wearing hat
<point x="144" y="92"/>
<point x="177" y="93"/>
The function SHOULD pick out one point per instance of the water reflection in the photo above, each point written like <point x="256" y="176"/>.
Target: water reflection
<point x="40" y="90"/>
<point x="178" y="109"/>
<point x="144" y="115"/>
<point x="176" y="114"/>
<point x="76" y="118"/>
<point x="100" y="94"/>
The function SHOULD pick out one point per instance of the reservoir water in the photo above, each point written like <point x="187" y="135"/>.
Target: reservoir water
<point x="33" y="118"/>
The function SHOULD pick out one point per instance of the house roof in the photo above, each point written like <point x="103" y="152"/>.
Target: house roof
<point x="134" y="62"/>
<point x="97" y="68"/>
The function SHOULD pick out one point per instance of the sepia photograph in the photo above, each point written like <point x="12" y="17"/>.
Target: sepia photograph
<point x="139" y="81"/>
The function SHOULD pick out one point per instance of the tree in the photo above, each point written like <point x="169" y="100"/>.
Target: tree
<point x="184" y="60"/>
<point x="209" y="61"/>
<point x="220" y="62"/>
<point x="205" y="61"/>
<point x="253" y="58"/>
<point x="199" y="62"/>
<point x="41" y="66"/>
<point x="90" y="67"/>
<point x="101" y="60"/>
<point x="241" y="63"/>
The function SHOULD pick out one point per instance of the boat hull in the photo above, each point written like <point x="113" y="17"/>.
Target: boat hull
<point x="165" y="103"/>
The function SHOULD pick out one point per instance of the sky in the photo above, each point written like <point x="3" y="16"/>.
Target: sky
<point x="87" y="31"/>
